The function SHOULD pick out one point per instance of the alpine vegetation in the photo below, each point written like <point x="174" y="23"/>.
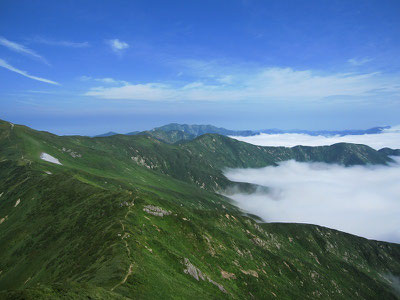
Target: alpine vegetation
<point x="133" y="217"/>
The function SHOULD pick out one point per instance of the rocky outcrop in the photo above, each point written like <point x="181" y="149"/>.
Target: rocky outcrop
<point x="197" y="274"/>
<point x="156" y="211"/>
<point x="227" y="275"/>
<point x="250" y="272"/>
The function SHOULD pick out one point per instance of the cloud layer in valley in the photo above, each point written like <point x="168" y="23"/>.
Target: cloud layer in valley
<point x="388" y="138"/>
<point x="361" y="200"/>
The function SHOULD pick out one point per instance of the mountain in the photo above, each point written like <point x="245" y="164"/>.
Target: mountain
<point x="131" y="217"/>
<point x="110" y="133"/>
<point x="197" y="130"/>
<point x="390" y="152"/>
<point x="133" y="133"/>
<point x="170" y="137"/>
<point x="174" y="132"/>
<point x="374" y="130"/>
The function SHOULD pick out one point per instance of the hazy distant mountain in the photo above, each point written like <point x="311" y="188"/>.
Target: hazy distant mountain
<point x="373" y="130"/>
<point x="110" y="133"/>
<point x="390" y="152"/>
<point x="132" y="133"/>
<point x="197" y="130"/>
<point x="169" y="133"/>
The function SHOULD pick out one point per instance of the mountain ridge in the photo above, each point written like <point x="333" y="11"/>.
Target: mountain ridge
<point x="187" y="132"/>
<point x="126" y="217"/>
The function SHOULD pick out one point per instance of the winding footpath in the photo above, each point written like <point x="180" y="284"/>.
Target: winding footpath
<point x="130" y="269"/>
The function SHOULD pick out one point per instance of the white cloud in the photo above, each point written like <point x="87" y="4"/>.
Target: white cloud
<point x="359" y="200"/>
<point x="270" y="84"/>
<point x="117" y="46"/>
<point x="40" y="92"/>
<point x="226" y="79"/>
<point x="149" y="92"/>
<point x="388" y="138"/>
<point x="84" y="78"/>
<point x="4" y="64"/>
<point x="359" y="61"/>
<point x="69" y="44"/>
<point x="20" y="49"/>
<point x="107" y="80"/>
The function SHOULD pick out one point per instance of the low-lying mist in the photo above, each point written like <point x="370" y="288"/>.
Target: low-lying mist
<point x="361" y="200"/>
<point x="388" y="138"/>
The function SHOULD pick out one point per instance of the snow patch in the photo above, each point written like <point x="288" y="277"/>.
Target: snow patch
<point x="49" y="158"/>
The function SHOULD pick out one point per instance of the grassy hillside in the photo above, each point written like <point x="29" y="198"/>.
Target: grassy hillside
<point x="171" y="137"/>
<point x="130" y="217"/>
<point x="197" y="130"/>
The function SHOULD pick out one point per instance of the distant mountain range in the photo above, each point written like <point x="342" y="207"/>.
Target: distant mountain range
<point x="175" y="132"/>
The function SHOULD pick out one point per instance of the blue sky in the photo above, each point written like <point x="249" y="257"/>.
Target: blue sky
<point x="86" y="67"/>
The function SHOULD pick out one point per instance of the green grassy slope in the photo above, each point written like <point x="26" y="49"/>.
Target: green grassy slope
<point x="200" y="161"/>
<point x="197" y="130"/>
<point x="170" y="137"/>
<point x="91" y="227"/>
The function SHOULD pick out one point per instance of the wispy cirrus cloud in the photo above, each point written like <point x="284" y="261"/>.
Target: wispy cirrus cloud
<point x="117" y="46"/>
<point x="359" y="61"/>
<point x="21" y="49"/>
<point x="106" y="80"/>
<point x="9" y="67"/>
<point x="61" y="43"/>
<point x="255" y="84"/>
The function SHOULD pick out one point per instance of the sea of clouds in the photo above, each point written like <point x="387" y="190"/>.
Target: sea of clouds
<point x="387" y="138"/>
<point x="361" y="200"/>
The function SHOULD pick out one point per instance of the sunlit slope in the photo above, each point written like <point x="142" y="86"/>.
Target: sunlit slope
<point x="199" y="161"/>
<point x="104" y="225"/>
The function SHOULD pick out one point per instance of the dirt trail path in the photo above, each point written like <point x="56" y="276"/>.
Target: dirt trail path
<point x="128" y="251"/>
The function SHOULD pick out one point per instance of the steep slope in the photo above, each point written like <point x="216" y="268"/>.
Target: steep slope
<point x="121" y="218"/>
<point x="200" y="161"/>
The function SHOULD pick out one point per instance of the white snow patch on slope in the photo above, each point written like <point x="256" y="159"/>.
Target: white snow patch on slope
<point x="49" y="158"/>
